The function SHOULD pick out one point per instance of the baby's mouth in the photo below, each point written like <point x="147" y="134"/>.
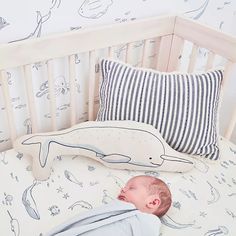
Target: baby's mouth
<point x="121" y="197"/>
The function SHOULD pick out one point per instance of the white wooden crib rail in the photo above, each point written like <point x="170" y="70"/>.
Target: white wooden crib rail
<point x="170" y="33"/>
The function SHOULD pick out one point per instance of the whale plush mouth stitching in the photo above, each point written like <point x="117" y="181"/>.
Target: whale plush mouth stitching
<point x="155" y="164"/>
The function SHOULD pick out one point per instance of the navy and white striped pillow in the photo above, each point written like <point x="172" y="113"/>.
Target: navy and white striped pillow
<point x="183" y="107"/>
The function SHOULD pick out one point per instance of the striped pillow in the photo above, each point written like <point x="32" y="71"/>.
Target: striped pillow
<point x="182" y="107"/>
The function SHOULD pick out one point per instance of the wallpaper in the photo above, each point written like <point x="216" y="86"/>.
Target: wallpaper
<point x="21" y="20"/>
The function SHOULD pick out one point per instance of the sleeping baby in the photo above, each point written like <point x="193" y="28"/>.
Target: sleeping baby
<point x="148" y="194"/>
<point x="135" y="213"/>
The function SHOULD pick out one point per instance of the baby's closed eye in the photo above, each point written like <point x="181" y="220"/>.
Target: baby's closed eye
<point x="132" y="187"/>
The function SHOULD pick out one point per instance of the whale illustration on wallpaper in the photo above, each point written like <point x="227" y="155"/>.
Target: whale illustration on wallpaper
<point x="114" y="144"/>
<point x="37" y="31"/>
<point x="94" y="9"/>
<point x="55" y="4"/>
<point x="3" y="23"/>
<point x="197" y="13"/>
<point x="40" y="20"/>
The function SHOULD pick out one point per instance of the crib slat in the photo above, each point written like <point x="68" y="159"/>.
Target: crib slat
<point x="153" y="52"/>
<point x="164" y="53"/>
<point x="176" y="51"/>
<point x="193" y="59"/>
<point x="210" y="60"/>
<point x="8" y="104"/>
<point x="91" y="84"/>
<point x="26" y="71"/>
<point x="229" y="67"/>
<point x="128" y="52"/>
<point x="231" y="126"/>
<point x="110" y="52"/>
<point x="52" y="94"/>
<point x="72" y="75"/>
<point x="144" y="53"/>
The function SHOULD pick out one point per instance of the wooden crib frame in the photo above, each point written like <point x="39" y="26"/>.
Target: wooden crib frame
<point x="173" y="31"/>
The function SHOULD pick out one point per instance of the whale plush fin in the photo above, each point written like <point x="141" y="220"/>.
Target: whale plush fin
<point x="177" y="159"/>
<point x="116" y="158"/>
<point x="100" y="155"/>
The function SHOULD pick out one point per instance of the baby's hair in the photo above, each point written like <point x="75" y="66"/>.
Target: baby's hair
<point x="157" y="186"/>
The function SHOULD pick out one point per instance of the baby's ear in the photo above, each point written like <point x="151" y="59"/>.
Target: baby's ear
<point x="153" y="202"/>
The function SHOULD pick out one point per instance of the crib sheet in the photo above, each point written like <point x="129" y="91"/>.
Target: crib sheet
<point x="203" y="199"/>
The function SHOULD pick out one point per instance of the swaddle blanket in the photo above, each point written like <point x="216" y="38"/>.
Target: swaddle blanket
<point x="116" y="218"/>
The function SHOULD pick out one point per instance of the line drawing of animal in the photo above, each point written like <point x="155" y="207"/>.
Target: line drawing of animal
<point x="221" y="230"/>
<point x="201" y="166"/>
<point x="72" y="178"/>
<point x="94" y="9"/>
<point x="40" y="19"/>
<point x="118" y="181"/>
<point x="214" y="193"/>
<point x="3" y="158"/>
<point x="82" y="204"/>
<point x="106" y="197"/>
<point x="55" y="3"/>
<point x="29" y="202"/>
<point x="91" y="141"/>
<point x="232" y="150"/>
<point x="168" y="221"/>
<point x="61" y="87"/>
<point x="28" y="124"/>
<point x="37" y="31"/>
<point x="15" y="226"/>
<point x="197" y="13"/>
<point x="3" y="23"/>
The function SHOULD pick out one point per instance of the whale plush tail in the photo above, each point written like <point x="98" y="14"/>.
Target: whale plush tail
<point x="42" y="146"/>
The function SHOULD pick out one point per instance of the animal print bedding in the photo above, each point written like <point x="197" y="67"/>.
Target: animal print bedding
<point x="203" y="198"/>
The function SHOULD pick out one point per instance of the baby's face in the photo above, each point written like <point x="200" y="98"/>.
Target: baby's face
<point x="136" y="192"/>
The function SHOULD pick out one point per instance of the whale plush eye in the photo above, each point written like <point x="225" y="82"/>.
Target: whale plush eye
<point x="150" y="158"/>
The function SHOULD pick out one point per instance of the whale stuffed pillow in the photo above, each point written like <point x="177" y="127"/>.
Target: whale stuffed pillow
<point x="116" y="144"/>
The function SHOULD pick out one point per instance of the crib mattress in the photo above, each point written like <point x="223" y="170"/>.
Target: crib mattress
<point x="204" y="199"/>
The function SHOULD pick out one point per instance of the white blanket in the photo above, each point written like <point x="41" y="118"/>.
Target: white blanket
<point x="116" y="218"/>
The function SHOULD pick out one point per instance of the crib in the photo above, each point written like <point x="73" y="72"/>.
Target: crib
<point x="164" y="43"/>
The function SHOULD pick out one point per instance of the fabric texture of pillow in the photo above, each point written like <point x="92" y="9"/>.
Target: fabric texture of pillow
<point x="182" y="107"/>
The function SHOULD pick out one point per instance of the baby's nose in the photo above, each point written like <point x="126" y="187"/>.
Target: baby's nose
<point x="123" y="189"/>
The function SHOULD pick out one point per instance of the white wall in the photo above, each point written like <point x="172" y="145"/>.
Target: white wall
<point x="35" y="18"/>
